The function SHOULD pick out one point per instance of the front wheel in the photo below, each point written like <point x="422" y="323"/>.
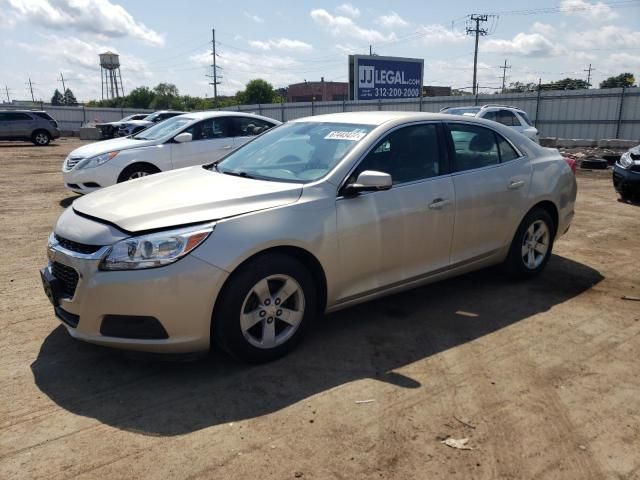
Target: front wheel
<point x="136" y="171"/>
<point x="264" y="309"/>
<point x="532" y="245"/>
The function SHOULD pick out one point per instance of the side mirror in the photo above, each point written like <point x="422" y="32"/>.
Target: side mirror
<point x="370" y="181"/>
<point x="183" y="137"/>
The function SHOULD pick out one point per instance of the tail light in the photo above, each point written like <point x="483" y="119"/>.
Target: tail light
<point x="572" y="164"/>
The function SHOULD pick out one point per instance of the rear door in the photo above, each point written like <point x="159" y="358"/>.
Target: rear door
<point x="397" y="235"/>
<point x="5" y="125"/>
<point x="491" y="180"/>
<point x="21" y="124"/>
<point x="211" y="140"/>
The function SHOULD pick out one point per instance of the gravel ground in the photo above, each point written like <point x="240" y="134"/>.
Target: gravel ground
<point x="542" y="377"/>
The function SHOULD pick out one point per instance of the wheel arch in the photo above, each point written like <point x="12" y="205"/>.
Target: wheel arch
<point x="137" y="163"/>
<point x="303" y="256"/>
<point x="551" y="209"/>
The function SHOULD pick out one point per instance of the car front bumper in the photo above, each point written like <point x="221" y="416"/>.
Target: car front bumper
<point x="626" y="182"/>
<point x="161" y="310"/>
<point x="87" y="180"/>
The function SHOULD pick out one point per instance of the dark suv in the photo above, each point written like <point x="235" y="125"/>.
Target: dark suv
<point x="28" y="125"/>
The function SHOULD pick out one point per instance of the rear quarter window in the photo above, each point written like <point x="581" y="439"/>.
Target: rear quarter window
<point x="44" y="115"/>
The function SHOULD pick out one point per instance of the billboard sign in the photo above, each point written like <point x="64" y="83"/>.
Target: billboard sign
<point x="372" y="77"/>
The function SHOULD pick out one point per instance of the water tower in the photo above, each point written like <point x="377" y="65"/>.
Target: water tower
<point x="110" y="75"/>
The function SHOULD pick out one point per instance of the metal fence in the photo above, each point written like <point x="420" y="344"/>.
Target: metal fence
<point x="585" y="114"/>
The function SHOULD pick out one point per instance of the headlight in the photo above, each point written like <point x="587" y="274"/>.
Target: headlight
<point x="155" y="249"/>
<point x="626" y="161"/>
<point x="96" y="161"/>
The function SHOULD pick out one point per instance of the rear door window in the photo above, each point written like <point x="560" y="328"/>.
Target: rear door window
<point x="44" y="115"/>
<point x="210" y="129"/>
<point x="18" y="116"/>
<point x="249" y="127"/>
<point x="474" y="146"/>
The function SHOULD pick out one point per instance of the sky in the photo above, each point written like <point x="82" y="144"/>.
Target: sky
<point x="287" y="42"/>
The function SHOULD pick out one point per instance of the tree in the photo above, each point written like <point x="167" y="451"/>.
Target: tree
<point x="256" y="91"/>
<point x="165" y="96"/>
<point x="566" y="84"/>
<point x="140" y="97"/>
<point x="69" y="98"/>
<point x="58" y="98"/>
<point x="519" y="87"/>
<point x="623" y="80"/>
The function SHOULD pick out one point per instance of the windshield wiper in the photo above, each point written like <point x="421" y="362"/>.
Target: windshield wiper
<point x="236" y="173"/>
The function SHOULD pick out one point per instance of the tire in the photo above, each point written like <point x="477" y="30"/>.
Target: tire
<point x="137" y="170"/>
<point x="527" y="256"/>
<point x="594" y="164"/>
<point x="261" y="334"/>
<point x="41" y="138"/>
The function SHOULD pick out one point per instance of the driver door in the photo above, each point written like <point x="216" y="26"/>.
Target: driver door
<point x="398" y="235"/>
<point x="211" y="140"/>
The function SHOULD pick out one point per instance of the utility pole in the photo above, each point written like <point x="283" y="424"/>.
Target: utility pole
<point x="31" y="89"/>
<point x="504" y="74"/>
<point x="589" y="70"/>
<point x="478" y="32"/>
<point x="214" y="68"/>
<point x="61" y="79"/>
<point x="370" y="50"/>
<point x="6" y="89"/>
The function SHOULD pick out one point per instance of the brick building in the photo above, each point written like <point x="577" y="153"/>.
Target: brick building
<point x="317" y="91"/>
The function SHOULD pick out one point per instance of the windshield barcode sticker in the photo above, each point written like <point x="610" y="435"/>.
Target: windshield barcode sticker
<point x="351" y="136"/>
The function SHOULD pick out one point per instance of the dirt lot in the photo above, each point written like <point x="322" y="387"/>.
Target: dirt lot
<point x="542" y="377"/>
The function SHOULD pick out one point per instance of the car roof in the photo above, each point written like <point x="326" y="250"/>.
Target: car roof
<point x="7" y="110"/>
<point x="224" y="113"/>
<point x="374" y="118"/>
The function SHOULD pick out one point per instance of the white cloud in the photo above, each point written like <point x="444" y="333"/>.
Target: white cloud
<point x="543" y="29"/>
<point x="253" y="17"/>
<point x="597" y="11"/>
<point x="524" y="44"/>
<point x="609" y="36"/>
<point x="345" y="27"/>
<point x="620" y="62"/>
<point x="348" y="10"/>
<point x="94" y="16"/>
<point x="391" y="20"/>
<point x="440" y="34"/>
<point x="281" y="44"/>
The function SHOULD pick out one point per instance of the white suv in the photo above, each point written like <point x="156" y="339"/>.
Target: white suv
<point x="510" y="116"/>
<point x="182" y="141"/>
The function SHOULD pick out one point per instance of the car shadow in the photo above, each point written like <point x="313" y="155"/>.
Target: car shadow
<point x="25" y="145"/>
<point x="367" y="341"/>
<point x="634" y="202"/>
<point x="66" y="202"/>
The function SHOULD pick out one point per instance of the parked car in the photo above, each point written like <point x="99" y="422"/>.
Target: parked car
<point x="35" y="126"/>
<point x="510" y="116"/>
<point x="181" y="141"/>
<point x="131" y="127"/>
<point x="626" y="175"/>
<point x="110" y="129"/>
<point x="315" y="215"/>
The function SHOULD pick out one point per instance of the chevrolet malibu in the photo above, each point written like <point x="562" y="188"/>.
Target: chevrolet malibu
<point x="181" y="141"/>
<point x="312" y="216"/>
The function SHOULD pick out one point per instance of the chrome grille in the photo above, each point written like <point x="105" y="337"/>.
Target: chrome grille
<point x="76" y="246"/>
<point x="71" y="162"/>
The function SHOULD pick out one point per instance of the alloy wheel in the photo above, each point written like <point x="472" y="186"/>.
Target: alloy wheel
<point x="535" y="244"/>
<point x="139" y="174"/>
<point x="41" y="139"/>
<point x="272" y="311"/>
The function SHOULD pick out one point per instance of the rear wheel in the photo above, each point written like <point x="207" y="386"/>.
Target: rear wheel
<point x="137" y="171"/>
<point x="264" y="309"/>
<point x="41" y="138"/>
<point x="532" y="244"/>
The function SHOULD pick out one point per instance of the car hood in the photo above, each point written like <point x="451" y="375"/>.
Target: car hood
<point x="116" y="144"/>
<point x="180" y="197"/>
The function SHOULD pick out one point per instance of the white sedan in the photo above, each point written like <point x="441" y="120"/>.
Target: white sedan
<point x="182" y="141"/>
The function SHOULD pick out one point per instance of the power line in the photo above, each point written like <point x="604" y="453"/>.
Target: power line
<point x="589" y="70"/>
<point x="504" y="74"/>
<point x="478" y="32"/>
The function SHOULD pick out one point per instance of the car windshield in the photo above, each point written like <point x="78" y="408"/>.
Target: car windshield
<point x="151" y="117"/>
<point x="295" y="152"/>
<point x="163" y="129"/>
<point x="462" y="110"/>
<point x="128" y="117"/>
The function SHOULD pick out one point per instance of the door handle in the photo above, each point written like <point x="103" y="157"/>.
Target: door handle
<point x="227" y="147"/>
<point x="516" y="184"/>
<point x="439" y="203"/>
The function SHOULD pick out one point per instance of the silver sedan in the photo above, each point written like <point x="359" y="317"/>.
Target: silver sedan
<point x="312" y="216"/>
